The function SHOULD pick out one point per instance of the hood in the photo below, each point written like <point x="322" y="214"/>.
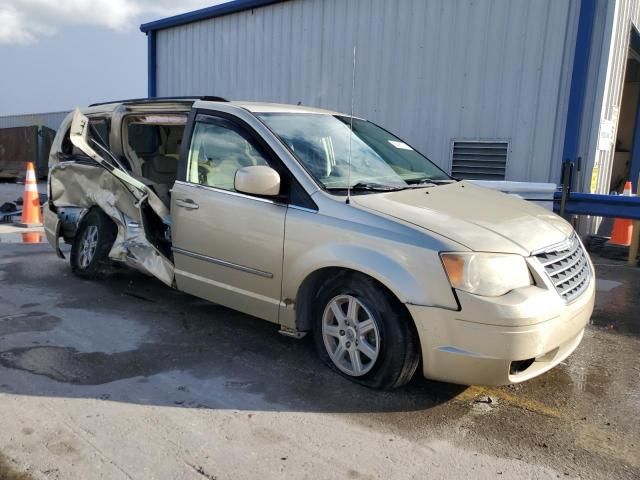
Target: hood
<point x="478" y="218"/>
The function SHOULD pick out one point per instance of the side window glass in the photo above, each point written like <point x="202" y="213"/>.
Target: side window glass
<point x="217" y="151"/>
<point x="67" y="148"/>
<point x="99" y="130"/>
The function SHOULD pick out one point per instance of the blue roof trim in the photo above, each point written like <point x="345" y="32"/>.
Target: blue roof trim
<point x="579" y="80"/>
<point x="234" y="6"/>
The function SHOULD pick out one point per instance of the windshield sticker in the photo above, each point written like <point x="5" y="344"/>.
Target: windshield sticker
<point x="400" y="145"/>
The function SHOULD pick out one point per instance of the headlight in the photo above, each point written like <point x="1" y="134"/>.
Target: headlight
<point x="486" y="274"/>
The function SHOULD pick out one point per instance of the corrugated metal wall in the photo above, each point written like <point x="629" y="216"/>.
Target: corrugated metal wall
<point x="51" y="120"/>
<point x="623" y="15"/>
<point x="430" y="70"/>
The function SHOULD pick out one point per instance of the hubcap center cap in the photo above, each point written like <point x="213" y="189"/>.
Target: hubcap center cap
<point x="351" y="334"/>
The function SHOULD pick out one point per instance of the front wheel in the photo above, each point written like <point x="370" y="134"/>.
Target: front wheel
<point x="364" y="333"/>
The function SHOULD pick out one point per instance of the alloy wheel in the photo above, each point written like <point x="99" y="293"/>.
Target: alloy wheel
<point x="88" y="246"/>
<point x="350" y="334"/>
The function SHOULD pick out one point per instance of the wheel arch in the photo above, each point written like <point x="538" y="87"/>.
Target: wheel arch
<point x="394" y="269"/>
<point x="309" y="287"/>
<point x="84" y="211"/>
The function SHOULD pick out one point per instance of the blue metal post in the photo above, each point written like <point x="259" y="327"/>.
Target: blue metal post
<point x="579" y="80"/>
<point x="151" y="63"/>
<point x="634" y="166"/>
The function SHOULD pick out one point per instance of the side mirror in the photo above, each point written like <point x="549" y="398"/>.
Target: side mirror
<point x="258" y="180"/>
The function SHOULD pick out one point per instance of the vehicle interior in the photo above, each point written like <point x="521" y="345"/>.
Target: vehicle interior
<point x="151" y="144"/>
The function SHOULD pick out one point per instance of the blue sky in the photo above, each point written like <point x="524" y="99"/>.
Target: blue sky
<point x="57" y="54"/>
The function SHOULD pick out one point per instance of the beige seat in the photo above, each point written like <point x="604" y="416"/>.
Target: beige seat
<point x="160" y="169"/>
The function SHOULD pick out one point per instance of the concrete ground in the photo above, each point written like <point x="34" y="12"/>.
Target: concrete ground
<point x="10" y="190"/>
<point x="126" y="378"/>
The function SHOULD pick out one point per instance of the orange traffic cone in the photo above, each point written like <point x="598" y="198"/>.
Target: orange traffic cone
<point x="623" y="227"/>
<point x="621" y="233"/>
<point x="31" y="214"/>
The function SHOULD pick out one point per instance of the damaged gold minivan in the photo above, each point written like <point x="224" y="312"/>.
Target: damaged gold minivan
<point x="324" y="223"/>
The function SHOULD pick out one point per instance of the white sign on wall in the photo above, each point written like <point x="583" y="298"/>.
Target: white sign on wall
<point x="607" y="134"/>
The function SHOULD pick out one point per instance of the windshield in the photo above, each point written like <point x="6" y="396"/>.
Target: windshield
<point x="322" y="143"/>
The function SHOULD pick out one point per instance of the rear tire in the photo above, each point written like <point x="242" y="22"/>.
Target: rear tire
<point x="363" y="332"/>
<point x="91" y="245"/>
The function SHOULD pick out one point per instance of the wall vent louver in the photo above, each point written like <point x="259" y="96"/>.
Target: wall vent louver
<point x="479" y="160"/>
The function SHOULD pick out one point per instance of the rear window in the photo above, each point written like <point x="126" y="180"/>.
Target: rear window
<point x="99" y="129"/>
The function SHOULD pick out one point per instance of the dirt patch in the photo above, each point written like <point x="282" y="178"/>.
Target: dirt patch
<point x="8" y="471"/>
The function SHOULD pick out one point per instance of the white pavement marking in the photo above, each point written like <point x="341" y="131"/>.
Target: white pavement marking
<point x="603" y="285"/>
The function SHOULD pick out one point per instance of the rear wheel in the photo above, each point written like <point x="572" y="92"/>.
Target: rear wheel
<point x="364" y="333"/>
<point x="91" y="245"/>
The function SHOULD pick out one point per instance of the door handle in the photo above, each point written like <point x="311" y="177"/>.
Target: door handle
<point x="187" y="203"/>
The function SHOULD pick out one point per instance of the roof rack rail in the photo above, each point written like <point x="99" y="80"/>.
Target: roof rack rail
<point x="213" y="98"/>
<point x="209" y="98"/>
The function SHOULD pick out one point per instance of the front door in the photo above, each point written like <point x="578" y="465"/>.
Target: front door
<point x="227" y="245"/>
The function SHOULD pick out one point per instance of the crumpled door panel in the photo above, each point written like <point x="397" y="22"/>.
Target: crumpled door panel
<point x="120" y="196"/>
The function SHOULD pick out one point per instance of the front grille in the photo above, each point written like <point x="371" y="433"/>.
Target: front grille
<point x="567" y="267"/>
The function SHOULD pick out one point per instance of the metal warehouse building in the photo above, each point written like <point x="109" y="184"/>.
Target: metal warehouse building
<point x="495" y="89"/>
<point x="50" y="120"/>
<point x="27" y="138"/>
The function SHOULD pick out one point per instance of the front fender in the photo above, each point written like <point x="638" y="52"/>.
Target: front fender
<point x="411" y="271"/>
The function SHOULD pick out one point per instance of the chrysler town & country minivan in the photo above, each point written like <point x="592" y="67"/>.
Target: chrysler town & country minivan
<point x="326" y="224"/>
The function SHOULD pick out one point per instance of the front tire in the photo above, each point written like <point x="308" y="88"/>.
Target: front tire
<point x="91" y="245"/>
<point x="363" y="332"/>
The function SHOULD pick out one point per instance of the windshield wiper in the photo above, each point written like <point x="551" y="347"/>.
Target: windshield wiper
<point x="427" y="182"/>
<point x="370" y="187"/>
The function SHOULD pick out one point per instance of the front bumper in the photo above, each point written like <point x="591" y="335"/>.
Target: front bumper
<point x="478" y="343"/>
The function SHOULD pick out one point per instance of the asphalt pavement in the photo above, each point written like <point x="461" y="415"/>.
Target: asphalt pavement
<point x="126" y="378"/>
